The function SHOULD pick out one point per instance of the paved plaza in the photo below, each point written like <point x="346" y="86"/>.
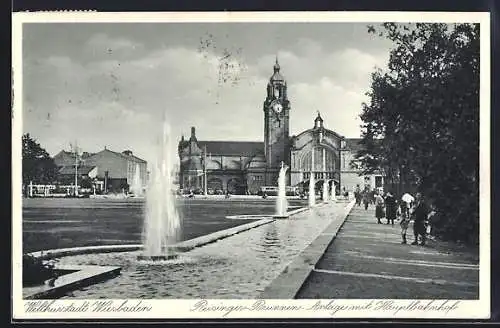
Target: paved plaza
<point x="367" y="260"/>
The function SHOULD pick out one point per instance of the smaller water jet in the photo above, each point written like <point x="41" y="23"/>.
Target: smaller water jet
<point x="325" y="191"/>
<point x="136" y="187"/>
<point x="281" y="201"/>
<point x="312" y="195"/>
<point x="334" y="197"/>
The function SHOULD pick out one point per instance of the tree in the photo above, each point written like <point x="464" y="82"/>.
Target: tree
<point x="424" y="114"/>
<point x="38" y="166"/>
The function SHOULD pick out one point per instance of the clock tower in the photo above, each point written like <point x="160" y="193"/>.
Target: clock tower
<point x="276" y="125"/>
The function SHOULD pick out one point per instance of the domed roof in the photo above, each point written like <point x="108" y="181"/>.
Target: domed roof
<point x="277" y="75"/>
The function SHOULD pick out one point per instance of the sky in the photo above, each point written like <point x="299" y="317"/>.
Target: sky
<point x="112" y="84"/>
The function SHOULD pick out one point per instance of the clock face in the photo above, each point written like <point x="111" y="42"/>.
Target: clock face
<point x="277" y="107"/>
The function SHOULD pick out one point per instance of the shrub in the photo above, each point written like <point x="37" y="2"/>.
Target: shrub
<point x="36" y="271"/>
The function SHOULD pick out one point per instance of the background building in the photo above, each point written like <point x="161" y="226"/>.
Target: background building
<point x="112" y="170"/>
<point x="351" y="174"/>
<point x="245" y="167"/>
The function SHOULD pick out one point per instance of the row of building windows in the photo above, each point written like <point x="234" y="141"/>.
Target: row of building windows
<point x="319" y="175"/>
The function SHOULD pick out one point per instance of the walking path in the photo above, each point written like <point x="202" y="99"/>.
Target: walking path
<point x="367" y="260"/>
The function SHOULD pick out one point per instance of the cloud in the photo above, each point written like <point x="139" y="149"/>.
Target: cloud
<point x="101" y="44"/>
<point x="119" y="99"/>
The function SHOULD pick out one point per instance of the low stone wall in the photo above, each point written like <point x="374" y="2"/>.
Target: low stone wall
<point x="78" y="276"/>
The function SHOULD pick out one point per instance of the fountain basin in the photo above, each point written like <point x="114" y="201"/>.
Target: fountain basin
<point x="183" y="246"/>
<point x="228" y="268"/>
<point x="240" y="267"/>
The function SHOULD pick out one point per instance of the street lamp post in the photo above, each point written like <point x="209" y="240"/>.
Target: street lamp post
<point x="76" y="168"/>
<point x="205" y="182"/>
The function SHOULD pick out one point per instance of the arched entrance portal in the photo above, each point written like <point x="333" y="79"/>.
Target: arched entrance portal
<point x="235" y="186"/>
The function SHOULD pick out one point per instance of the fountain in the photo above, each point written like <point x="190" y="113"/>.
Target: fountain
<point x="334" y="197"/>
<point x="312" y="195"/>
<point x="325" y="191"/>
<point x="312" y="191"/>
<point x="162" y="222"/>
<point x="136" y="187"/>
<point x="281" y="201"/>
<point x="325" y="181"/>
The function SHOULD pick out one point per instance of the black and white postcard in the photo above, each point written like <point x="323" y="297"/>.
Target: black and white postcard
<point x="251" y="165"/>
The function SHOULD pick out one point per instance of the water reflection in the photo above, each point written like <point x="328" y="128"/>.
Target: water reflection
<point x="237" y="267"/>
<point x="271" y="237"/>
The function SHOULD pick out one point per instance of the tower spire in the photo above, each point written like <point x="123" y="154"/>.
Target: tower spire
<point x="276" y="65"/>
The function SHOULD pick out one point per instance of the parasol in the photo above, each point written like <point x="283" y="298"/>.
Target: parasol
<point x="407" y="198"/>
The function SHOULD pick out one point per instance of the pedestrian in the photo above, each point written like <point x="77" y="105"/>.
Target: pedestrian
<point x="357" y="195"/>
<point x="405" y="219"/>
<point x="430" y="218"/>
<point x="366" y="198"/>
<point x="379" y="207"/>
<point x="420" y="213"/>
<point x="390" y="208"/>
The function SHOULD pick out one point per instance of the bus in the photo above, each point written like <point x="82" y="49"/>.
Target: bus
<point x="273" y="191"/>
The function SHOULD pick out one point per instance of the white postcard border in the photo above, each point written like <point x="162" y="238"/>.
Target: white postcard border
<point x="160" y="309"/>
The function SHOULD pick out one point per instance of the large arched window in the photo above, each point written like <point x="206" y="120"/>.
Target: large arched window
<point x="331" y="160"/>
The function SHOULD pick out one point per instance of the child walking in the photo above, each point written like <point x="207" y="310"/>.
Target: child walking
<point x="405" y="219"/>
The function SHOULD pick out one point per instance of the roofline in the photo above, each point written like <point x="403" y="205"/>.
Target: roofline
<point x="62" y="151"/>
<point x="312" y="129"/>
<point x="121" y="155"/>
<point x="229" y="141"/>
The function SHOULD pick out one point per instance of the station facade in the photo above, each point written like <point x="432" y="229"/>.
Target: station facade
<point x="245" y="167"/>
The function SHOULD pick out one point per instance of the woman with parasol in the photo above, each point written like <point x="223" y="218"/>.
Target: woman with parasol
<point x="406" y="201"/>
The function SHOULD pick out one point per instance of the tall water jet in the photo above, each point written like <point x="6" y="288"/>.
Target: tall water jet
<point x="136" y="187"/>
<point x="162" y="223"/>
<point x="281" y="201"/>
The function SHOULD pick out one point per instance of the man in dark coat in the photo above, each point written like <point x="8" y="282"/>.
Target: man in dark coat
<point x="390" y="208"/>
<point x="357" y="195"/>
<point x="420" y="213"/>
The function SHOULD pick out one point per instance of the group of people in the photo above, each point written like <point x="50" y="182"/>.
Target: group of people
<point x="366" y="196"/>
<point x="408" y="208"/>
